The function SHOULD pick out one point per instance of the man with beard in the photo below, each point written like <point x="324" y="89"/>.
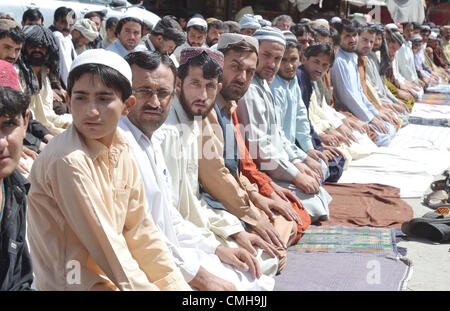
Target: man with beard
<point x="376" y="70"/>
<point x="166" y="35"/>
<point x="229" y="155"/>
<point x="266" y="141"/>
<point x="84" y="31"/>
<point x="347" y="86"/>
<point x="296" y="126"/>
<point x="63" y="21"/>
<point x="204" y="262"/>
<point x="196" y="36"/>
<point x="364" y="47"/>
<point x="129" y="34"/>
<point x="304" y="34"/>
<point x="197" y="86"/>
<point x="215" y="29"/>
<point x="11" y="40"/>
<point x="40" y="53"/>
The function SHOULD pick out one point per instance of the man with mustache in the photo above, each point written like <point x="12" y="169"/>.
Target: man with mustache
<point x="347" y="88"/>
<point x="129" y="34"/>
<point x="40" y="53"/>
<point x="11" y="40"/>
<point x="84" y="32"/>
<point x="229" y="155"/>
<point x="222" y="219"/>
<point x="165" y="36"/>
<point x="266" y="141"/>
<point x="205" y="263"/>
<point x="195" y="34"/>
<point x="215" y="29"/>
<point x="296" y="126"/>
<point x="63" y="21"/>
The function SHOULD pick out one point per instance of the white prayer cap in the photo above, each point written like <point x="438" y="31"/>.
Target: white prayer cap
<point x="392" y="26"/>
<point x="336" y="19"/>
<point x="249" y="21"/>
<point x="433" y="36"/>
<point x="197" y="21"/>
<point x="104" y="57"/>
<point x="87" y="28"/>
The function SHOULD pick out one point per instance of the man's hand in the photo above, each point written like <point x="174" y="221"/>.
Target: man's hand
<point x="330" y="140"/>
<point x="361" y="127"/>
<point x="247" y="240"/>
<point x="340" y="137"/>
<point x="206" y="281"/>
<point x="267" y="232"/>
<point x="308" y="184"/>
<point x="378" y="123"/>
<point x="286" y="194"/>
<point x="316" y="155"/>
<point x="26" y="152"/>
<point x="240" y="258"/>
<point x="315" y="166"/>
<point x="345" y="131"/>
<point x="285" y="208"/>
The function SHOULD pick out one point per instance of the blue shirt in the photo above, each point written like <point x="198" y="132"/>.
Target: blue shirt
<point x="347" y="88"/>
<point x="118" y="48"/>
<point x="288" y="98"/>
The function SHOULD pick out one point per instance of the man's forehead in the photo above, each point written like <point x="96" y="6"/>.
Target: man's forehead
<point x="162" y="76"/>
<point x="247" y="59"/>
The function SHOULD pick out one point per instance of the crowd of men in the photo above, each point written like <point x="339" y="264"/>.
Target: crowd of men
<point x="191" y="157"/>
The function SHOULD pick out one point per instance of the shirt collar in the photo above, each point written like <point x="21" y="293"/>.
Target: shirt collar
<point x="135" y="131"/>
<point x="226" y="105"/>
<point x="348" y="55"/>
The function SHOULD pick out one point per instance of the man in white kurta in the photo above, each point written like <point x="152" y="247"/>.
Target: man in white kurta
<point x="190" y="248"/>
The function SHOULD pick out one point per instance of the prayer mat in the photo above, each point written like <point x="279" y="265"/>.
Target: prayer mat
<point x="343" y="272"/>
<point x="435" y="99"/>
<point x="370" y="205"/>
<point x="339" y="239"/>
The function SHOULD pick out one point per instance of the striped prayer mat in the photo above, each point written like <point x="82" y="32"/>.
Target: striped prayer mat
<point x="435" y="99"/>
<point x="339" y="239"/>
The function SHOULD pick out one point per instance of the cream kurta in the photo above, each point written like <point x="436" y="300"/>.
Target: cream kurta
<point x="88" y="226"/>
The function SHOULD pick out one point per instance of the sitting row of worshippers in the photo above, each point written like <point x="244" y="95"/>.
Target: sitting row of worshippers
<point x="164" y="163"/>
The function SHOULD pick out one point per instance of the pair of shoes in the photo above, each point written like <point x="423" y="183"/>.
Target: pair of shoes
<point x="431" y="226"/>
<point x="442" y="184"/>
<point x="436" y="199"/>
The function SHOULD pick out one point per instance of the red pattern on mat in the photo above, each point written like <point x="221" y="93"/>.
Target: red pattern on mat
<point x="372" y="205"/>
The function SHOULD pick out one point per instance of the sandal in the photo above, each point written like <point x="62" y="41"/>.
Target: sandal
<point x="431" y="226"/>
<point x="437" y="199"/>
<point x="443" y="211"/>
<point x="442" y="184"/>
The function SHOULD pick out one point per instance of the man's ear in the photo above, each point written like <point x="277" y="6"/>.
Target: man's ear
<point x="68" y="102"/>
<point x="26" y="120"/>
<point x="178" y="86"/>
<point x="129" y="104"/>
<point x="219" y="87"/>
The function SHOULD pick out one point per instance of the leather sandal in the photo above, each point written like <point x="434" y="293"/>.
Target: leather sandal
<point x="442" y="184"/>
<point x="431" y="226"/>
<point x="437" y="199"/>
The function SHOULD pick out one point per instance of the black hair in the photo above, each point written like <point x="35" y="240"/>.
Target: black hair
<point x="210" y="67"/>
<point x="170" y="29"/>
<point x="290" y="44"/>
<point x="318" y="48"/>
<point x="16" y="34"/>
<point x="233" y="27"/>
<point x="349" y="26"/>
<point x="218" y="25"/>
<point x="151" y="60"/>
<point x="13" y="102"/>
<point x="32" y="15"/>
<point x="322" y="31"/>
<point x="92" y="14"/>
<point x="111" y="22"/>
<point x="299" y="29"/>
<point x="125" y="20"/>
<point x="109" y="76"/>
<point x="370" y="28"/>
<point x="62" y="12"/>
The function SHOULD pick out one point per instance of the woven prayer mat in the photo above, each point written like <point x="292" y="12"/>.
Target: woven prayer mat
<point x="435" y="99"/>
<point x="343" y="272"/>
<point x="339" y="239"/>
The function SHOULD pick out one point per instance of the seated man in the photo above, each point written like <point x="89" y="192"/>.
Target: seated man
<point x="264" y="137"/>
<point x="84" y="32"/>
<point x="204" y="262"/>
<point x="87" y="207"/>
<point x="166" y="35"/>
<point x="196" y="30"/>
<point x="128" y="32"/>
<point x="296" y="126"/>
<point x="16" y="269"/>
<point x="185" y="157"/>
<point x="347" y="88"/>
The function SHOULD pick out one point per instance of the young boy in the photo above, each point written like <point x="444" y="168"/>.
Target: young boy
<point x="88" y="225"/>
<point x="15" y="262"/>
